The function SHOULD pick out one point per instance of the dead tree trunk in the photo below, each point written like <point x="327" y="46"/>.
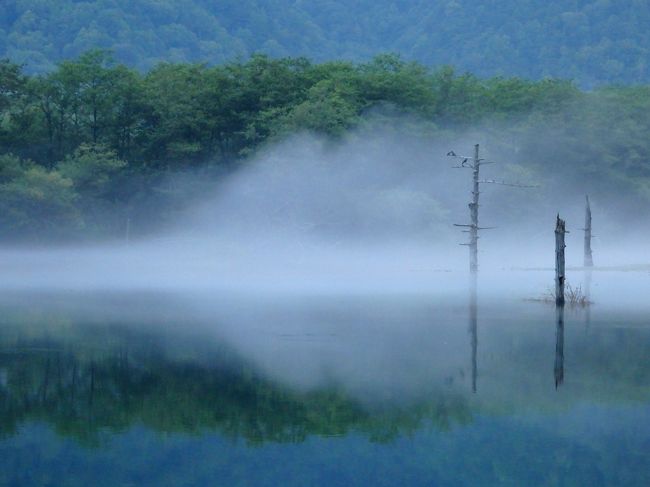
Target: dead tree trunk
<point x="473" y="210"/>
<point x="560" y="230"/>
<point x="589" y="261"/>
<point x="472" y="227"/>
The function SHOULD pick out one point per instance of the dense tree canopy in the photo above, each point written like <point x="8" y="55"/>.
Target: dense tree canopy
<point x="591" y="41"/>
<point x="90" y="144"/>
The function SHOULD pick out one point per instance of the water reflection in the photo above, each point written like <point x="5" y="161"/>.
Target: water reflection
<point x="473" y="327"/>
<point x="269" y="372"/>
<point x="587" y="280"/>
<point x="558" y="369"/>
<point x="82" y="399"/>
<point x="163" y="390"/>
<point x="94" y="380"/>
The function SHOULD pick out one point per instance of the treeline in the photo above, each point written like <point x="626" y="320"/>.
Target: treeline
<point x="92" y="143"/>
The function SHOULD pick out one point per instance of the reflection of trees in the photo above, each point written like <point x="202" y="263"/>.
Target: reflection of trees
<point x="83" y="387"/>
<point x="83" y="397"/>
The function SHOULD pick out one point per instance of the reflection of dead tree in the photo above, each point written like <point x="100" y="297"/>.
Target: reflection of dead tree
<point x="474" y="163"/>
<point x="587" y="300"/>
<point x="558" y="369"/>
<point x="473" y="329"/>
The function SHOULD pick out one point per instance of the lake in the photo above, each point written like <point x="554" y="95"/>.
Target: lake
<point x="128" y="387"/>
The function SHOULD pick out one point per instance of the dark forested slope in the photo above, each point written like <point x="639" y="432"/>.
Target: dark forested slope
<point x="591" y="41"/>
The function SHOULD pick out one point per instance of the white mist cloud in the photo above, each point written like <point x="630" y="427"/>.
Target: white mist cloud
<point x="373" y="212"/>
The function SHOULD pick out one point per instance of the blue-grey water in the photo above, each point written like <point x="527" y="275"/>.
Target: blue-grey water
<point x="132" y="388"/>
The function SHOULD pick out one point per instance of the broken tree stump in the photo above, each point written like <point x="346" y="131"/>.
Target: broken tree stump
<point x="560" y="277"/>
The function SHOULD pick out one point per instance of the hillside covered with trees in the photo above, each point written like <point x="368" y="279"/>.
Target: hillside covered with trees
<point x="93" y="141"/>
<point x="594" y="42"/>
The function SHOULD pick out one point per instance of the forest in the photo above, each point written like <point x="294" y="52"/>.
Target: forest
<point x="593" y="42"/>
<point x="93" y="142"/>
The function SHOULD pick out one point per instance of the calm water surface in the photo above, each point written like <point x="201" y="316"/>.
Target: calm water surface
<point x="126" y="388"/>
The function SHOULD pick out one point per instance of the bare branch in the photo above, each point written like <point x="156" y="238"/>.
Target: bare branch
<point x="473" y="226"/>
<point x="504" y="183"/>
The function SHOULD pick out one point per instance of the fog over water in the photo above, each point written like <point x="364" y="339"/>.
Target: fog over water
<point x="317" y="302"/>
<point x="371" y="213"/>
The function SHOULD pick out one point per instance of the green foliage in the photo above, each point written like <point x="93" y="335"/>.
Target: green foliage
<point x="92" y="170"/>
<point x="11" y="83"/>
<point x="11" y="167"/>
<point x="116" y="134"/>
<point x="592" y="41"/>
<point x="12" y="95"/>
<point x="34" y="200"/>
<point x="326" y="110"/>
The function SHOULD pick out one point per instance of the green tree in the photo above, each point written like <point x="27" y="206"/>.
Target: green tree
<point x="13" y="91"/>
<point x="92" y="170"/>
<point x="331" y="108"/>
<point x="35" y="201"/>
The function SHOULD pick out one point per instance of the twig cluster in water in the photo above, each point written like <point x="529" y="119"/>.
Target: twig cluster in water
<point x="573" y="296"/>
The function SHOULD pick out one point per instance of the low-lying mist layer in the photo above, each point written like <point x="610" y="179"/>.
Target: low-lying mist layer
<point x="373" y="213"/>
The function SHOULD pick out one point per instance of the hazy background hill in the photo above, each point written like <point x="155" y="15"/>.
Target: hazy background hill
<point x="593" y="42"/>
